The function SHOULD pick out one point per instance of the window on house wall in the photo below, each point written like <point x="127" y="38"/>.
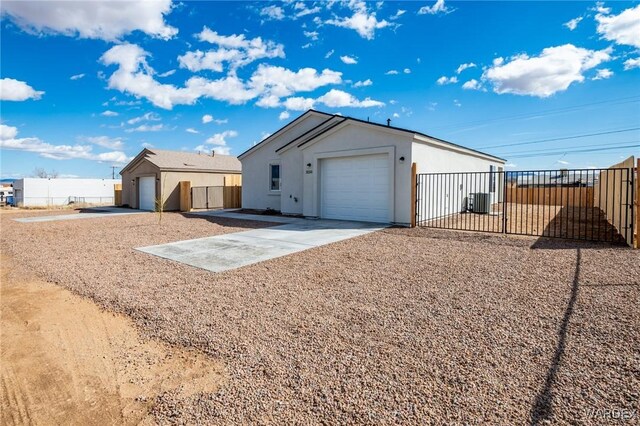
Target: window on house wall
<point x="274" y="177"/>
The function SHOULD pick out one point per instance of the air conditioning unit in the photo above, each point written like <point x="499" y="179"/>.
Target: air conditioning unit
<point x="479" y="202"/>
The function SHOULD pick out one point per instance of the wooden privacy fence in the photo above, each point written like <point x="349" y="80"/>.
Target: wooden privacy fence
<point x="117" y="194"/>
<point x="554" y="196"/>
<point x="616" y="200"/>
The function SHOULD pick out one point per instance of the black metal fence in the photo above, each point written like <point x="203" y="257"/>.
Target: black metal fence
<point x="583" y="204"/>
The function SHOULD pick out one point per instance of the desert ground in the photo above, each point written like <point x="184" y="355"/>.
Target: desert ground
<point x="411" y="326"/>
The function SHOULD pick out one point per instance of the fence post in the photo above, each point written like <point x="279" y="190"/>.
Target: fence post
<point x="414" y="187"/>
<point x="185" y="196"/>
<point x="504" y="201"/>
<point x="637" y="202"/>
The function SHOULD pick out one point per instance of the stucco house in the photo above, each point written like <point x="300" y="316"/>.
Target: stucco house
<point x="156" y="173"/>
<point x="330" y="166"/>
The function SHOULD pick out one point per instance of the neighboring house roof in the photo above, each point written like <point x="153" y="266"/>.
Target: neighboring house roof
<point x="186" y="161"/>
<point x="328" y="124"/>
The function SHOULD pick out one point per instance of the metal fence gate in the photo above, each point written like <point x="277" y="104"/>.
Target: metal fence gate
<point x="582" y="204"/>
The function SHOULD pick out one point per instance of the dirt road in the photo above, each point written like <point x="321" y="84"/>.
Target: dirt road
<point x="66" y="361"/>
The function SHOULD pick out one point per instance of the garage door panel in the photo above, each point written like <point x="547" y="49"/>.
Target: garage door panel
<point x="147" y="193"/>
<point x="356" y="188"/>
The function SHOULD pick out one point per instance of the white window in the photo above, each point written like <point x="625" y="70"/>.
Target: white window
<point x="274" y="177"/>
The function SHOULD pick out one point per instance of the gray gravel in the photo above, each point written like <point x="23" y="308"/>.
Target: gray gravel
<point x="400" y="326"/>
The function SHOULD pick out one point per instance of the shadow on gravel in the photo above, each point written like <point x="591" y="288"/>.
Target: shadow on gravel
<point x="542" y="410"/>
<point x="231" y="223"/>
<point x="560" y="244"/>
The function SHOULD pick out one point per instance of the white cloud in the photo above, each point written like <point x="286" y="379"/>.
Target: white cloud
<point x="396" y="115"/>
<point x="299" y="103"/>
<point x="623" y="28"/>
<point x="135" y="76"/>
<point x="554" y="70"/>
<point x="457" y="103"/>
<point x="281" y="82"/>
<point x="149" y="116"/>
<point x="109" y="113"/>
<point x="437" y="7"/>
<point x="603" y="74"/>
<point x="472" y="84"/>
<point x="219" y="142"/>
<point x="167" y="73"/>
<point x="306" y="46"/>
<point x="313" y="35"/>
<point x="272" y="12"/>
<point x="398" y="14"/>
<point x="329" y="53"/>
<point x="146" y="145"/>
<point x="207" y="118"/>
<point x="235" y="50"/>
<point x="16" y="90"/>
<point x="632" y="63"/>
<point x="304" y="11"/>
<point x="147" y="128"/>
<point x="393" y="102"/>
<point x="364" y="83"/>
<point x="362" y="21"/>
<point x="463" y="67"/>
<point x="391" y="72"/>
<point x="106" y="19"/>
<point x="407" y="71"/>
<point x="573" y="23"/>
<point x="348" y="60"/>
<point x="511" y="165"/>
<point x="338" y="98"/>
<point x="220" y="138"/>
<point x="564" y="163"/>
<point x="192" y="130"/>
<point x="106" y="142"/>
<point x="447" y="80"/>
<point x="56" y="152"/>
<point x="284" y="115"/>
<point x="76" y="77"/>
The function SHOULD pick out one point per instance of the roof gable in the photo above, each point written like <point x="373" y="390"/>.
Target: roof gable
<point x="283" y="130"/>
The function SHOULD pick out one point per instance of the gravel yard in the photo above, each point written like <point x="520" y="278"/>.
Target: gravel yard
<point x="399" y="326"/>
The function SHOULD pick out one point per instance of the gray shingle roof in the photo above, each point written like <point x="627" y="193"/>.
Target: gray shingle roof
<point x="180" y="160"/>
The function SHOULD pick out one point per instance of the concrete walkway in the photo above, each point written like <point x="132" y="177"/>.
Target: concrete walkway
<point x="231" y="251"/>
<point x="92" y="212"/>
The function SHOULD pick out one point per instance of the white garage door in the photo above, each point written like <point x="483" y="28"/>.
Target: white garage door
<point x="147" y="191"/>
<point x="355" y="188"/>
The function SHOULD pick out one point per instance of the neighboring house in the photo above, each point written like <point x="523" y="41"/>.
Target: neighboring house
<point x="155" y="174"/>
<point x="47" y="192"/>
<point x="335" y="167"/>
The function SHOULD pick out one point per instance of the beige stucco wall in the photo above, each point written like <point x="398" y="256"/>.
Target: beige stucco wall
<point x="130" y="182"/>
<point x="170" y="185"/>
<point x="167" y="183"/>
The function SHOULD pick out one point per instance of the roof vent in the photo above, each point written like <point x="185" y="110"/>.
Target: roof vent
<point x="388" y="122"/>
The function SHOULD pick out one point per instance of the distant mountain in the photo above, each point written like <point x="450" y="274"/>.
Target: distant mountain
<point x="7" y="180"/>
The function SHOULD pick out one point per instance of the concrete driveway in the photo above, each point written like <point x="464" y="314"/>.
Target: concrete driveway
<point x="88" y="213"/>
<point x="230" y="251"/>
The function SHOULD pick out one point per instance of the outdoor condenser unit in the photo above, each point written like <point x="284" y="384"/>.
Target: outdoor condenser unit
<point x="479" y="202"/>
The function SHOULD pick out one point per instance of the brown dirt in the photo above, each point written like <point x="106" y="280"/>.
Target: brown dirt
<point x="412" y="326"/>
<point x="580" y="223"/>
<point x="66" y="361"/>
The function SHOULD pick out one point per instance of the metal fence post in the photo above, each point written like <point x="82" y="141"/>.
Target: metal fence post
<point x="504" y="202"/>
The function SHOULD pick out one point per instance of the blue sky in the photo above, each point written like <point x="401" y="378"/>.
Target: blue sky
<point x="87" y="85"/>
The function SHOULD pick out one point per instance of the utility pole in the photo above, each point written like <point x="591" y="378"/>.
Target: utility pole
<point x="113" y="172"/>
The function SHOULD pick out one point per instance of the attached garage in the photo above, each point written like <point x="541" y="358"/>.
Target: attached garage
<point x="356" y="188"/>
<point x="156" y="174"/>
<point x="334" y="167"/>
